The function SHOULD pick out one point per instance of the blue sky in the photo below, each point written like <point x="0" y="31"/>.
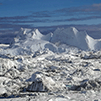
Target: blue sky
<point x="26" y="13"/>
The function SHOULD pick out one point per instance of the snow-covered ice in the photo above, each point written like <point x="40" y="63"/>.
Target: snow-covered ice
<point x="61" y="66"/>
<point x="29" y="41"/>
